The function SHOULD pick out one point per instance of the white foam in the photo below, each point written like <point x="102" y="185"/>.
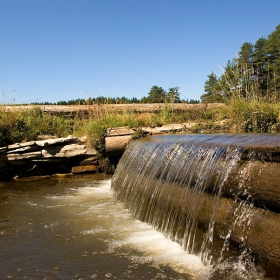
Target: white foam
<point x="127" y="232"/>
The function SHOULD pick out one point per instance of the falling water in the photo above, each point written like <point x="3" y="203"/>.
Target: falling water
<point x="175" y="183"/>
<point x="73" y="228"/>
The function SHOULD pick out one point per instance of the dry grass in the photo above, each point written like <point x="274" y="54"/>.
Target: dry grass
<point x="23" y="123"/>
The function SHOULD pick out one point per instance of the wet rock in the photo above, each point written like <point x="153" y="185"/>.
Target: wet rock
<point x="35" y="158"/>
<point x="84" y="169"/>
<point x="90" y="161"/>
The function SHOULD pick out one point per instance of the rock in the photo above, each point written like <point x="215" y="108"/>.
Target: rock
<point x="51" y="142"/>
<point x="24" y="149"/>
<point x="164" y="129"/>
<point x="47" y="156"/>
<point x="3" y="150"/>
<point x="84" y="169"/>
<point x="119" y="131"/>
<point x="116" y="145"/>
<point x="10" y="157"/>
<point x="89" y="161"/>
<point x="21" y="145"/>
<point x="50" y="160"/>
<point x="71" y="150"/>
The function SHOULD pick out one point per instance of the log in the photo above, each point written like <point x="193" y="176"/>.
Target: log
<point x="115" y="146"/>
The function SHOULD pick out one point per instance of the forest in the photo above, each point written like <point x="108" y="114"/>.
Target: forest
<point x="155" y="95"/>
<point x="254" y="74"/>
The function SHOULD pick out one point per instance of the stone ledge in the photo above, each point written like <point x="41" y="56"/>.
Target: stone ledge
<point x="46" y="157"/>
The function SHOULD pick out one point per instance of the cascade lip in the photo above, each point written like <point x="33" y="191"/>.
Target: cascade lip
<point x="256" y="140"/>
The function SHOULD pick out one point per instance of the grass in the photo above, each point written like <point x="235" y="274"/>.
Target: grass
<point x="21" y="125"/>
<point x="27" y="124"/>
<point x="256" y="115"/>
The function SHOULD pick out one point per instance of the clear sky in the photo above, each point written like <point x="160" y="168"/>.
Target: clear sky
<point x="52" y="50"/>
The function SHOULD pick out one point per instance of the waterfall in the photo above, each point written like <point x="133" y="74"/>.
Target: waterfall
<point x="196" y="190"/>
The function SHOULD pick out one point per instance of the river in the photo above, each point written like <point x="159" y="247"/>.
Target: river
<point x="73" y="228"/>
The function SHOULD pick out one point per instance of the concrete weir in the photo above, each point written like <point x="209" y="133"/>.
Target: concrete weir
<point x="207" y="192"/>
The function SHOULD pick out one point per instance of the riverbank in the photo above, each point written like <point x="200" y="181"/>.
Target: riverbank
<point x="71" y="155"/>
<point x="107" y="128"/>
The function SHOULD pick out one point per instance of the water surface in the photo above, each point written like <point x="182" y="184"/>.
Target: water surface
<point x="73" y="228"/>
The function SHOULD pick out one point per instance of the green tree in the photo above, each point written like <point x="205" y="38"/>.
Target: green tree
<point x="272" y="46"/>
<point x="156" y="95"/>
<point x="245" y="68"/>
<point x="273" y="54"/>
<point x="173" y="95"/>
<point x="255" y="73"/>
<point x="212" y="90"/>
<point x="246" y="53"/>
<point x="260" y="65"/>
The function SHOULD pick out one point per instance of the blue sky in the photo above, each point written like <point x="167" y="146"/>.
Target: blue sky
<point x="52" y="50"/>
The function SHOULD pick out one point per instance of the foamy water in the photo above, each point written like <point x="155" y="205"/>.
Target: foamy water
<point x="75" y="229"/>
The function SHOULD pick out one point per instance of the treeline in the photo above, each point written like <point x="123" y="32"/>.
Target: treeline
<point x="156" y="95"/>
<point x="253" y="74"/>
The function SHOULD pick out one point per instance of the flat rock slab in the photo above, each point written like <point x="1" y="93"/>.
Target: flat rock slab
<point x="11" y="157"/>
<point x="90" y="161"/>
<point x="164" y="129"/>
<point x="51" y="142"/>
<point x="119" y="131"/>
<point x="46" y="156"/>
<point x="122" y="131"/>
<point x="84" y="169"/>
<point x="71" y="150"/>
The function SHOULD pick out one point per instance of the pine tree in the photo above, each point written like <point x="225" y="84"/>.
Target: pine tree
<point x="212" y="90"/>
<point x="156" y="95"/>
<point x="273" y="53"/>
<point x="173" y="95"/>
<point x="260" y="65"/>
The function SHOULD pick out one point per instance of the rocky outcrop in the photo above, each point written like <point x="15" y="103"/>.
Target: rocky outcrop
<point x="68" y="155"/>
<point x="44" y="157"/>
